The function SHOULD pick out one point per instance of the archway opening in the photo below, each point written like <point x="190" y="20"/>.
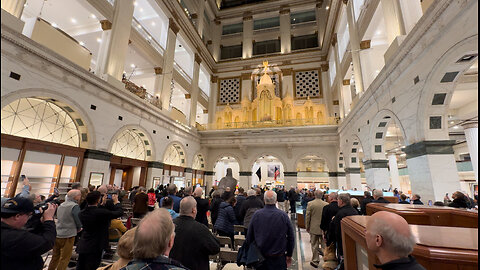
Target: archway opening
<point x="221" y="166"/>
<point x="268" y="171"/>
<point x="174" y="155"/>
<point x="312" y="172"/>
<point x="393" y="146"/>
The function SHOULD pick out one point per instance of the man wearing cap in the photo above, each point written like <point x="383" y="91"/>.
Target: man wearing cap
<point x="22" y="249"/>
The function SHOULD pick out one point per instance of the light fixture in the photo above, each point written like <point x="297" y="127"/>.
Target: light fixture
<point x="456" y="127"/>
<point x="149" y="37"/>
<point x="139" y="26"/>
<point x="378" y="32"/>
<point x="99" y="40"/>
<point x="81" y="43"/>
<point x="54" y="25"/>
<point x="93" y="16"/>
<point x="327" y="7"/>
<point x="153" y="23"/>
<point x="141" y="9"/>
<point x="73" y="20"/>
<point x="132" y="65"/>
<point x="452" y="122"/>
<point x="135" y="3"/>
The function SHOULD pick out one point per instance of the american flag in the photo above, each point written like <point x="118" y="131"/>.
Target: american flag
<point x="277" y="173"/>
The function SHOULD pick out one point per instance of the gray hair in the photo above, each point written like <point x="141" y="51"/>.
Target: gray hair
<point x="187" y="204"/>
<point x="318" y="194"/>
<point x="378" y="193"/>
<point x="416" y="195"/>
<point x="333" y="195"/>
<point x="198" y="192"/>
<point x="270" y="197"/>
<point x="188" y="190"/>
<point x="345" y="198"/>
<point x="251" y="192"/>
<point x="72" y="194"/>
<point x="395" y="242"/>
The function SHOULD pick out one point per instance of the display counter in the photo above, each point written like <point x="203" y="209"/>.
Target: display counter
<point x="437" y="248"/>
<point x="429" y="215"/>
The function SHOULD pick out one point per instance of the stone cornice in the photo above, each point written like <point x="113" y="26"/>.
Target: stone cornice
<point x="245" y="173"/>
<point x="80" y="78"/>
<point x="429" y="148"/>
<point x="375" y="163"/>
<point x="155" y="164"/>
<point x="336" y="174"/>
<point x="352" y="170"/>
<point x="97" y="155"/>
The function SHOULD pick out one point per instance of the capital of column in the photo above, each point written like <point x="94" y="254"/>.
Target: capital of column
<point x="284" y="11"/>
<point x="287" y="71"/>
<point x="158" y="70"/>
<point x="345" y="2"/>
<point x="334" y="39"/>
<point x="198" y="59"/>
<point x="365" y="44"/>
<point x="214" y="79"/>
<point x="106" y="25"/>
<point x="246" y="76"/>
<point x="247" y="16"/>
<point x="217" y="21"/>
<point x="194" y="16"/>
<point x="470" y="124"/>
<point x="319" y="4"/>
<point x="324" y="67"/>
<point x="429" y="148"/>
<point x="173" y="26"/>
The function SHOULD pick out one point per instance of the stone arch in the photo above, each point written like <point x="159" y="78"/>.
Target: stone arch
<point x="179" y="148"/>
<point x="331" y="165"/>
<point x="354" y="144"/>
<point x="220" y="156"/>
<point x="378" y="131"/>
<point x="340" y="162"/>
<point x="273" y="154"/>
<point x="198" y="161"/>
<point x="81" y="119"/>
<point x="134" y="130"/>
<point x="442" y="80"/>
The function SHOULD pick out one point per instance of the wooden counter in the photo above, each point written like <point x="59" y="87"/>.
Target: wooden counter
<point x="429" y="215"/>
<point x="438" y="248"/>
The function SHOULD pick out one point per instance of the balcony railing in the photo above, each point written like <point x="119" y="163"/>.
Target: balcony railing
<point x="272" y="123"/>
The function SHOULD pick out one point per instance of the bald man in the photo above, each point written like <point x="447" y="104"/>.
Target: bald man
<point x="193" y="241"/>
<point x="68" y="225"/>
<point x="202" y="206"/>
<point x="390" y="238"/>
<point x="272" y="231"/>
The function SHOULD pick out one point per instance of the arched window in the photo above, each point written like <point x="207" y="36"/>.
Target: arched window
<point x="174" y="155"/>
<point x="42" y="120"/>
<point x="132" y="144"/>
<point x="198" y="162"/>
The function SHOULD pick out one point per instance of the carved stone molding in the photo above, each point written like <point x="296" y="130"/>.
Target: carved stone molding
<point x="158" y="70"/>
<point x="173" y="26"/>
<point x="198" y="59"/>
<point x="106" y="25"/>
<point x="365" y="44"/>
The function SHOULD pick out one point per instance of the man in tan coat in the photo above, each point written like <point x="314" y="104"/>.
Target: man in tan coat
<point x="312" y="222"/>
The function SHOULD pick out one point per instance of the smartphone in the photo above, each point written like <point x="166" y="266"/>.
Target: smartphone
<point x="109" y="196"/>
<point x="22" y="176"/>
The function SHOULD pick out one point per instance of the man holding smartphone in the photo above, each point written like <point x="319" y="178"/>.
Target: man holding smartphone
<point x="22" y="249"/>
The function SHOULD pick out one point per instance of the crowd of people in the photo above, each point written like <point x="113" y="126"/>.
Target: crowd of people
<point x="173" y="230"/>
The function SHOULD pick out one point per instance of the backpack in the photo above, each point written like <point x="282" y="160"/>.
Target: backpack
<point x="249" y="215"/>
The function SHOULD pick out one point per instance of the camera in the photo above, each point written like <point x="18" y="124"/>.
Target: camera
<point x="42" y="206"/>
<point x="110" y="193"/>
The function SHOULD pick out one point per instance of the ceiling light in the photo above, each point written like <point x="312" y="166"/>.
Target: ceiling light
<point x="377" y="71"/>
<point x="456" y="127"/>
<point x="82" y="43"/>
<point x="327" y="7"/>
<point x="99" y="40"/>
<point x="141" y="9"/>
<point x="132" y="65"/>
<point x="73" y="20"/>
<point x="149" y="37"/>
<point x="143" y="85"/>
<point x="54" y="25"/>
<point x="135" y="3"/>
<point x="153" y="23"/>
<point x="93" y="16"/>
<point x="378" y="32"/>
<point x="452" y="122"/>
<point x="139" y="26"/>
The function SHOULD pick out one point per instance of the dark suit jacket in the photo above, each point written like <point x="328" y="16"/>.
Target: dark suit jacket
<point x="202" y="208"/>
<point x="193" y="243"/>
<point x="95" y="222"/>
<point x="329" y="211"/>
<point x="380" y="200"/>
<point x="363" y="204"/>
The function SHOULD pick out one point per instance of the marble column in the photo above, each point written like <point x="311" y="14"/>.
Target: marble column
<point x="212" y="99"/>
<point x="322" y="16"/>
<point x="95" y="161"/>
<point x="394" y="23"/>
<point x="333" y="179"/>
<point x="14" y="7"/>
<point x="209" y="176"/>
<point x="285" y="31"/>
<point x="432" y="169"/>
<point x="157" y="86"/>
<point x="338" y="77"/>
<point x="327" y="95"/>
<point x="100" y="67"/>
<point x="244" y="180"/>
<point x="246" y="86"/>
<point x="394" y="175"/>
<point x="355" y="48"/>
<point x="247" y="45"/>
<point x="290" y="180"/>
<point x="119" y="39"/>
<point x="287" y="83"/>
<point x="188" y="177"/>
<point x="353" y="179"/>
<point x="200" y="17"/>
<point x="216" y="38"/>
<point x="155" y="169"/>
<point x="471" y="134"/>
<point x="192" y="119"/>
<point x="376" y="174"/>
<point x="168" y="59"/>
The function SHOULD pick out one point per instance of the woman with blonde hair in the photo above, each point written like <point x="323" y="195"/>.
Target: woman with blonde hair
<point x="355" y="204"/>
<point x="124" y="251"/>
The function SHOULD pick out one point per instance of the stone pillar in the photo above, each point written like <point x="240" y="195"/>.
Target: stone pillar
<point x="216" y="38"/>
<point x="376" y="173"/>
<point x="100" y="67"/>
<point x="155" y="169"/>
<point x="338" y="75"/>
<point x="287" y="82"/>
<point x="247" y="46"/>
<point x="212" y="100"/>
<point x="471" y="134"/>
<point x="333" y="179"/>
<point x="327" y="95"/>
<point x="168" y="59"/>
<point x="290" y="180"/>
<point x="119" y="39"/>
<point x="394" y="175"/>
<point x="195" y="91"/>
<point x="157" y="87"/>
<point x="322" y="16"/>
<point x="244" y="180"/>
<point x="200" y="17"/>
<point x="246" y="86"/>
<point x="285" y="31"/>
<point x="188" y="177"/>
<point x="14" y="7"/>
<point x="208" y="181"/>
<point x="432" y="169"/>
<point x="353" y="179"/>
<point x="95" y="161"/>
<point x="394" y="23"/>
<point x="355" y="48"/>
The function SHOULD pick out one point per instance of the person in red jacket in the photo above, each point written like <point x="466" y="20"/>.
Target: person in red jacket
<point x="152" y="199"/>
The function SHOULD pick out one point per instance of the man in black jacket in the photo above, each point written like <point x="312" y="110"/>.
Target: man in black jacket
<point x="367" y="198"/>
<point x="240" y="199"/>
<point x="250" y="202"/>
<point x="202" y="206"/>
<point x="95" y="223"/>
<point x="345" y="210"/>
<point x="293" y="198"/>
<point x="329" y="211"/>
<point x="378" y="196"/>
<point x="22" y="249"/>
<point x="459" y="200"/>
<point x="416" y="199"/>
<point x="193" y="241"/>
